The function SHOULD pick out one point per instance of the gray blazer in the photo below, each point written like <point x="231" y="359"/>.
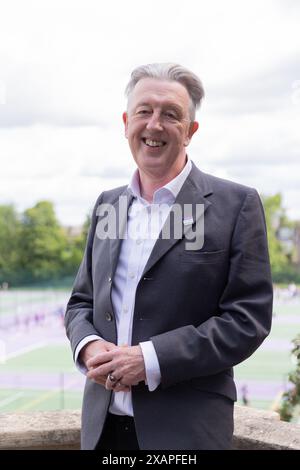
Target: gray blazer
<point x="205" y="311"/>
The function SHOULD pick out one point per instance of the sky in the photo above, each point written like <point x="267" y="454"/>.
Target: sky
<point x="64" y="66"/>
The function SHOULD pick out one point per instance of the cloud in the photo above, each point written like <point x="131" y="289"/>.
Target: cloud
<point x="36" y="94"/>
<point x="107" y="172"/>
<point x="65" y="65"/>
<point x="270" y="90"/>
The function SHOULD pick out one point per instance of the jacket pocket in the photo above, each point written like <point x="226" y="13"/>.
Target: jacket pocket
<point x="205" y="257"/>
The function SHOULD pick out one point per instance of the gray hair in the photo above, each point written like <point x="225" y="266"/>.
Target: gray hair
<point x="171" y="72"/>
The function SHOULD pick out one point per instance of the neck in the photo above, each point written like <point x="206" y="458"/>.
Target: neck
<point x="149" y="183"/>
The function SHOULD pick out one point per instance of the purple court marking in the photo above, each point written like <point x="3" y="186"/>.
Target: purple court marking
<point x="43" y="323"/>
<point x="261" y="390"/>
<point x="42" y="381"/>
<point x="287" y="318"/>
<point x="276" y="344"/>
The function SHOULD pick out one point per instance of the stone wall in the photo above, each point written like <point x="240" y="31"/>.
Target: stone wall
<point x="254" y="430"/>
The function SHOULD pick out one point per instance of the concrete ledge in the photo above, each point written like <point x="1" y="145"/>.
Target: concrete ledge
<point x="262" y="430"/>
<point x="60" y="430"/>
<point x="40" y="430"/>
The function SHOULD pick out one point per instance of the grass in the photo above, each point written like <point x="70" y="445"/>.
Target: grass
<point x="12" y="302"/>
<point x="261" y="404"/>
<point x="264" y="365"/>
<point x="48" y="359"/>
<point x="14" y="400"/>
<point x="270" y="364"/>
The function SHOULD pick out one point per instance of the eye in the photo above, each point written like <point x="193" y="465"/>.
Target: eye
<point x="171" y="115"/>
<point x="143" y="112"/>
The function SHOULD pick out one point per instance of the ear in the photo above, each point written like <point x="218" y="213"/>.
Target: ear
<point x="125" y="120"/>
<point x="192" y="129"/>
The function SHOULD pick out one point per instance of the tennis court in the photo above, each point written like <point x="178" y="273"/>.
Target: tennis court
<point x="37" y="371"/>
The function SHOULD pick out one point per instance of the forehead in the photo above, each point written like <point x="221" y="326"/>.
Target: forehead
<point x="155" y="91"/>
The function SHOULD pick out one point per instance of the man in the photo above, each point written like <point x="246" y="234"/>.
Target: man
<point x="156" y="323"/>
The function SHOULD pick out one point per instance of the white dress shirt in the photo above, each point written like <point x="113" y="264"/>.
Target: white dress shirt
<point x="145" y="221"/>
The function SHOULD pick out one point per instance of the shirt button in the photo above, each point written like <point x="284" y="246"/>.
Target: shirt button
<point x="139" y="241"/>
<point x="109" y="279"/>
<point x="108" y="316"/>
<point x="131" y="275"/>
<point x="125" y="309"/>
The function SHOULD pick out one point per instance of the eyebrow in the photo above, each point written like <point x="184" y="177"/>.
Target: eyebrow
<point x="165" y="106"/>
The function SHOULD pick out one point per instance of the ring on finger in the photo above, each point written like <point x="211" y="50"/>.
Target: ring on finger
<point x="112" y="378"/>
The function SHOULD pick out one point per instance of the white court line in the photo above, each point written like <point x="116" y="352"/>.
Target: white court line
<point x="8" y="400"/>
<point x="44" y="397"/>
<point x="26" y="349"/>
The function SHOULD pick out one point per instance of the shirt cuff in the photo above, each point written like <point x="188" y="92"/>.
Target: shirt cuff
<point x="83" y="342"/>
<point x="153" y="374"/>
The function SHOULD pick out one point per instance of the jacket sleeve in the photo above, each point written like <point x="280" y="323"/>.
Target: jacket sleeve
<point x="245" y="309"/>
<point x="79" y="312"/>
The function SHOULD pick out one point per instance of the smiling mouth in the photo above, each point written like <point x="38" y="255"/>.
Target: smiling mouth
<point x="154" y="143"/>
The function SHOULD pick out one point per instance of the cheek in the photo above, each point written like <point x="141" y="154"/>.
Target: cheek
<point x="179" y="137"/>
<point x="134" y="131"/>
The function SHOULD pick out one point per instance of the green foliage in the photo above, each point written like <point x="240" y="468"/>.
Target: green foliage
<point x="72" y="255"/>
<point x="282" y="268"/>
<point x="275" y="217"/>
<point x="9" y="236"/>
<point x="35" y="249"/>
<point x="291" y="398"/>
<point x="42" y="242"/>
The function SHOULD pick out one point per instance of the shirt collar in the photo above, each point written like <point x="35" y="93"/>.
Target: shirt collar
<point x="166" y="193"/>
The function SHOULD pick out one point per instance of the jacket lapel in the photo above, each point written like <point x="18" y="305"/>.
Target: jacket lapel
<point x="194" y="191"/>
<point x="121" y="206"/>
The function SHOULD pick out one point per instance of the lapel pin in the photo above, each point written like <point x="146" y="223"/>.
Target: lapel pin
<point x="188" y="221"/>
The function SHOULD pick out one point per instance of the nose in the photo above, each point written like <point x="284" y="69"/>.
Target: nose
<point x="154" y="122"/>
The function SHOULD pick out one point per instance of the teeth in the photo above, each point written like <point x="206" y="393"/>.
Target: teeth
<point x="154" y="143"/>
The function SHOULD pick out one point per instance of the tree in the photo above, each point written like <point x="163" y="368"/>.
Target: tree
<point x="9" y="237"/>
<point x="291" y="398"/>
<point x="34" y="248"/>
<point x="73" y="252"/>
<point x="275" y="219"/>
<point x="42" y="243"/>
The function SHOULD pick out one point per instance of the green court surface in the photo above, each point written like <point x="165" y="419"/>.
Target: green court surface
<point x="51" y="363"/>
<point x="265" y="365"/>
<point x="19" y="301"/>
<point x="272" y="364"/>
<point x="54" y="362"/>
<point x="275" y="364"/>
<point x="48" y="359"/>
<point x="16" y="400"/>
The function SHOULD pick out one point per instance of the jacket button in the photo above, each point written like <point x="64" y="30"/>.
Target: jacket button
<point x="108" y="316"/>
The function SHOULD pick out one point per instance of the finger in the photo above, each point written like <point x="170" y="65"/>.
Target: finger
<point x="106" y="369"/>
<point x="109" y="385"/>
<point x="113" y="378"/>
<point x="112" y="381"/>
<point x="120" y="387"/>
<point x="117" y="387"/>
<point x="96" y="373"/>
<point x="130" y="381"/>
<point x="100" y="380"/>
<point x="100" y="358"/>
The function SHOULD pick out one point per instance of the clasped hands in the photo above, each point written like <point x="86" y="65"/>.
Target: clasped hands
<point x="117" y="368"/>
